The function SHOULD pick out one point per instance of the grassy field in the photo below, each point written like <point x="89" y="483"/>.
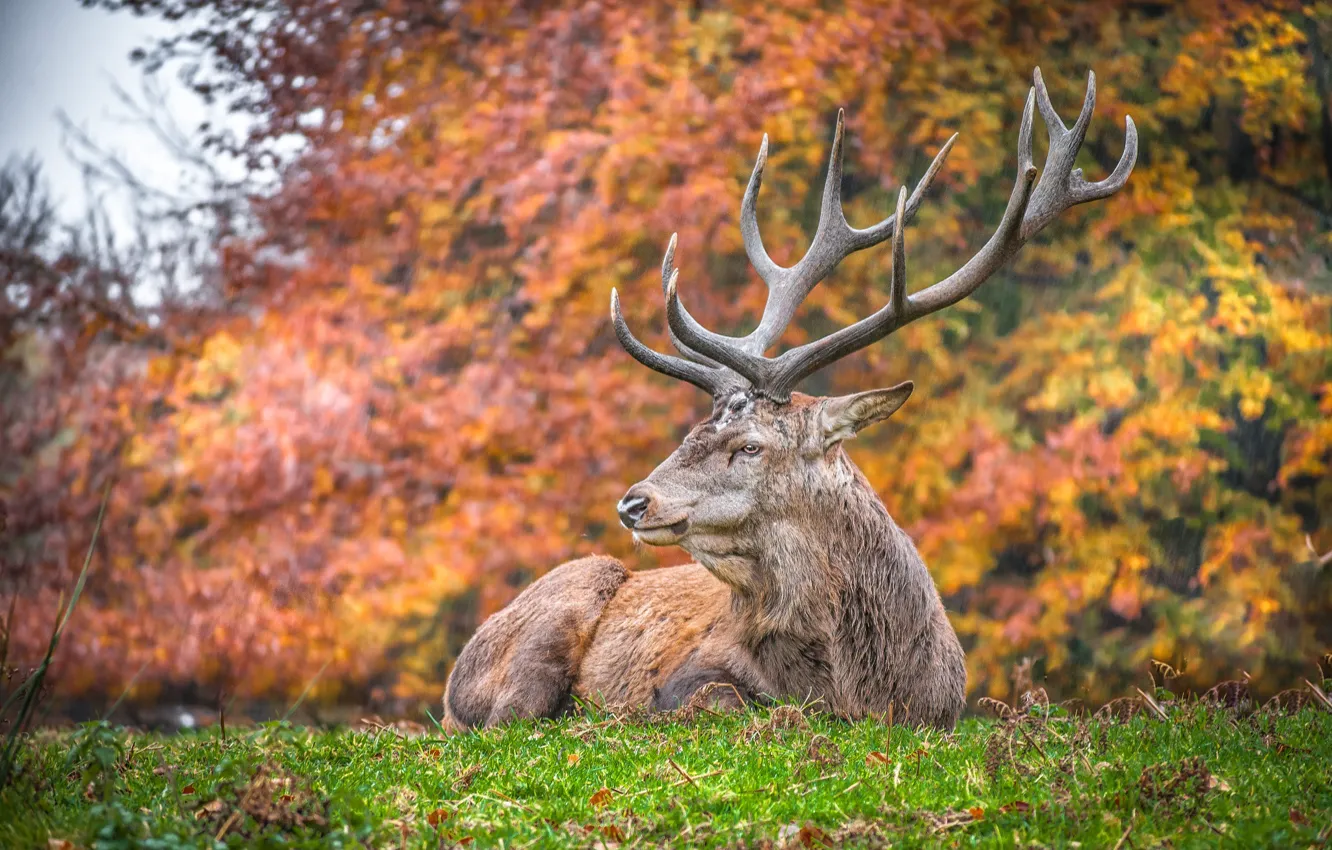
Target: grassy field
<point x="770" y="777"/>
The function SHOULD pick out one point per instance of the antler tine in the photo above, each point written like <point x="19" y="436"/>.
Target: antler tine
<point x="700" y="376"/>
<point x="1031" y="206"/>
<point x="1062" y="151"/>
<point x="720" y="360"/>
<point x="795" y="365"/>
<point x="834" y="239"/>
<point x="768" y="271"/>
<point x="1061" y="185"/>
<point x="1054" y="125"/>
<point x="703" y="341"/>
<point x="830" y="244"/>
<point x="1320" y="558"/>
<point x="897" y="286"/>
<point x="667" y="272"/>
<point x="798" y="363"/>
<point x="1002" y="245"/>
<point x="787" y="287"/>
<point x="1083" y="191"/>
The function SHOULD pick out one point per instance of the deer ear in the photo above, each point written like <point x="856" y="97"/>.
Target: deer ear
<point x="844" y="416"/>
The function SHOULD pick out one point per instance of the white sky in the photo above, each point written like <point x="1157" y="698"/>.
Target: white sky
<point x="57" y="55"/>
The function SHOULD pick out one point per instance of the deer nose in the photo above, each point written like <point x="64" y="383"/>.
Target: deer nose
<point x="631" y="509"/>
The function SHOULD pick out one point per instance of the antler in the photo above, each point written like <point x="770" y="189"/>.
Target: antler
<point x="717" y="362"/>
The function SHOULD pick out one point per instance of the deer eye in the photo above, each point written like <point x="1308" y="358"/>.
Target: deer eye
<point x="750" y="449"/>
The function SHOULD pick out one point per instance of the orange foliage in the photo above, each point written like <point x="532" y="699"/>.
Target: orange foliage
<point x="1113" y="454"/>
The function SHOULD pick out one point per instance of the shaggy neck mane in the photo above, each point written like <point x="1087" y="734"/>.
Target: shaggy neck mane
<point x="838" y="565"/>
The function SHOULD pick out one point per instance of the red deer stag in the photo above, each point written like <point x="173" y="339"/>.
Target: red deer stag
<point x="804" y="588"/>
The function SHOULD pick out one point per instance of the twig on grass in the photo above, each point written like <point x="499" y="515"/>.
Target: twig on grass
<point x="815" y="779"/>
<point x="707" y="775"/>
<point x="687" y="781"/>
<point x="228" y="824"/>
<point x="1151" y="703"/>
<point x="1319" y="695"/>
<point x="681" y="771"/>
<point x="503" y="799"/>
<point x="1032" y="741"/>
<point x="1127" y="830"/>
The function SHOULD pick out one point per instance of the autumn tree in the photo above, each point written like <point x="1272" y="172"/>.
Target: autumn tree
<point x="1115" y="454"/>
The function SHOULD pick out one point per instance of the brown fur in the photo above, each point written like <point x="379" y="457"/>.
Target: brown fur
<point x="523" y="660"/>
<point x="805" y="588"/>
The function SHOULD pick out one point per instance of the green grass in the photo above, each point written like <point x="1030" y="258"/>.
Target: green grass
<point x="1204" y="778"/>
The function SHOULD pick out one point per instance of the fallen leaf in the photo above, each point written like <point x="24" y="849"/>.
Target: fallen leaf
<point x="811" y="836"/>
<point x="188" y="789"/>
<point x="613" y="832"/>
<point x="572" y="758"/>
<point x="437" y="817"/>
<point x="601" y="798"/>
<point x="951" y="819"/>
<point x="877" y="759"/>
<point x="62" y="844"/>
<point x="1015" y="806"/>
<point x="1298" y="817"/>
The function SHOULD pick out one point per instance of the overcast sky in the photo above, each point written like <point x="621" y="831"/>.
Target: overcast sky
<point x="57" y="55"/>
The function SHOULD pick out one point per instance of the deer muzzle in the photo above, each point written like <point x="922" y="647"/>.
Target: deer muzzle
<point x="644" y="512"/>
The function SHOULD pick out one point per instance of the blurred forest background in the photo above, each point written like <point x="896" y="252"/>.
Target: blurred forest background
<point x="356" y="399"/>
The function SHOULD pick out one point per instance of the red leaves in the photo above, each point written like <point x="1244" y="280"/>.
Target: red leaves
<point x="308" y="482"/>
<point x="810" y="835"/>
<point x="806" y="835"/>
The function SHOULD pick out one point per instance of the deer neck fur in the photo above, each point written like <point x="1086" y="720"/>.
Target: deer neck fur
<point x="835" y="598"/>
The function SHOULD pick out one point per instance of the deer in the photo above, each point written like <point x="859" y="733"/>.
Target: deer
<point x="803" y="587"/>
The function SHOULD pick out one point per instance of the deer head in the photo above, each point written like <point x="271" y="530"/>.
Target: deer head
<point x="768" y="457"/>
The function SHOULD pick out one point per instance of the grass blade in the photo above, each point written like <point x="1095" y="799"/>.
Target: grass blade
<point x="33" y="684"/>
